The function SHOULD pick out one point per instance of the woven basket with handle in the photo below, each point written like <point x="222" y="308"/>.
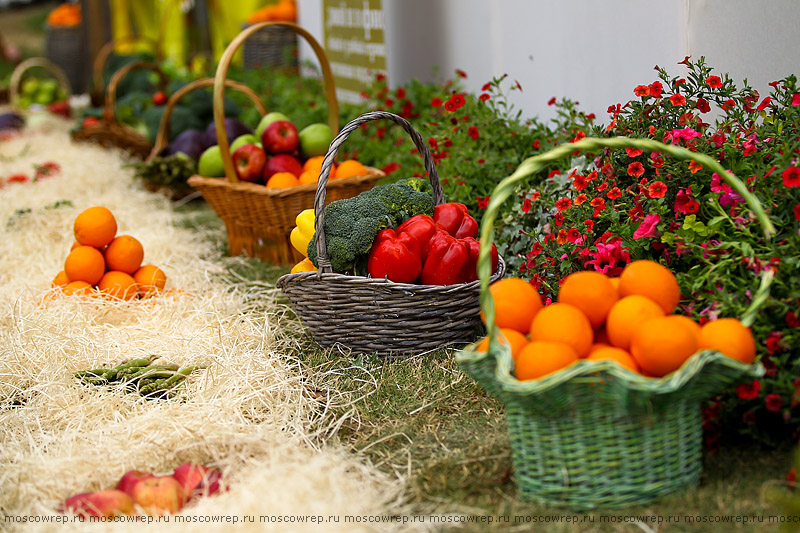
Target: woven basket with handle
<point x="368" y="315"/>
<point x="258" y="220"/>
<point x="593" y="434"/>
<point x="163" y="135"/>
<point x="109" y="132"/>
<point x="24" y="68"/>
<point x="271" y="46"/>
<point x="64" y="47"/>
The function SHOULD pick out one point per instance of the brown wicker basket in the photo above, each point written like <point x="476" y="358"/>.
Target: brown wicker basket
<point x="64" y="47"/>
<point x="18" y="75"/>
<point x="368" y="315"/>
<point x="100" y="60"/>
<point x="274" y="46"/>
<point x="112" y="134"/>
<point x="162" y="138"/>
<point x="258" y="220"/>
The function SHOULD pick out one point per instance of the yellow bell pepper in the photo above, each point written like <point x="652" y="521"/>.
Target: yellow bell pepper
<point x="302" y="234"/>
<point x="303" y="266"/>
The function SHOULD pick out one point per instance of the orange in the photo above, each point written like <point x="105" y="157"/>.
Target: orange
<point x="591" y="292"/>
<point x="85" y="263"/>
<point x="95" y="226"/>
<point x="661" y="345"/>
<point x="688" y="322"/>
<point x="118" y="285"/>
<point x="516" y="302"/>
<point x="730" y="337"/>
<point x="150" y="280"/>
<point x="75" y="245"/>
<point x="285" y="10"/>
<point x="560" y="322"/>
<point x="282" y="180"/>
<point x="598" y="346"/>
<point x="615" y="284"/>
<point x="653" y="280"/>
<point x="618" y="355"/>
<point x="626" y="316"/>
<point x="125" y="253"/>
<point x="349" y="168"/>
<point x="60" y="280"/>
<point x="314" y="164"/>
<point x="516" y="341"/>
<point x="539" y="358"/>
<point x="307" y="177"/>
<point x="77" y="287"/>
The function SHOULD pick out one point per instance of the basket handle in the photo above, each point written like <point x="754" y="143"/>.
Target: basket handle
<point x="162" y="138"/>
<point x="34" y="62"/>
<point x="222" y="72"/>
<point x="111" y="91"/>
<point x="107" y="49"/>
<point x="322" y="183"/>
<point x="537" y="163"/>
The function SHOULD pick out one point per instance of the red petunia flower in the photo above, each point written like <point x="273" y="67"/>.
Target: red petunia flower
<point x="579" y="182"/>
<point x="589" y="224"/>
<point x="727" y="104"/>
<point x="685" y="203"/>
<point x="579" y="136"/>
<point x="791" y="176"/>
<point x="702" y="105"/>
<point x="483" y="202"/>
<point x="796" y="212"/>
<point x="483" y="97"/>
<point x="562" y="204"/>
<point x="591" y="175"/>
<point x="655" y="89"/>
<point x="635" y="169"/>
<point x="535" y="195"/>
<point x="749" y="392"/>
<point x="561" y="238"/>
<point x="614" y="193"/>
<point x="537" y="144"/>
<point x="677" y="99"/>
<point x="633" y="152"/>
<point x="774" y="402"/>
<point x="526" y="205"/>
<point x="461" y="73"/>
<point x="551" y="101"/>
<point x="656" y="159"/>
<point x="715" y="82"/>
<point x="552" y="173"/>
<point x="581" y="198"/>
<point x="486" y="86"/>
<point x="657" y="189"/>
<point x="400" y="93"/>
<point x="641" y="90"/>
<point x="436" y="102"/>
<point x="481" y="161"/>
<point x="648" y="227"/>
<point x="764" y="103"/>
<point x="558" y="218"/>
<point x="695" y="167"/>
<point x="473" y="132"/>
<point x="792" y="320"/>
<point x="391" y="167"/>
<point x="796" y="99"/>
<point x="598" y="202"/>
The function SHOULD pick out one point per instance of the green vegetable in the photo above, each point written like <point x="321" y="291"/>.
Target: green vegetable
<point x="138" y="375"/>
<point x="352" y="224"/>
<point x="182" y="118"/>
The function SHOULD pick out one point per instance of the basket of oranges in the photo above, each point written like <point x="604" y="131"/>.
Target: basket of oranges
<point x="603" y="389"/>
<point x="259" y="208"/>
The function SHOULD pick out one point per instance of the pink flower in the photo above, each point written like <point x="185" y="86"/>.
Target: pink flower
<point x="687" y="134"/>
<point x="648" y="227"/>
<point x="796" y="99"/>
<point x="609" y="258"/>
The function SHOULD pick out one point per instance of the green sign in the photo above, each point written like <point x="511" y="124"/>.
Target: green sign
<point x="354" y="43"/>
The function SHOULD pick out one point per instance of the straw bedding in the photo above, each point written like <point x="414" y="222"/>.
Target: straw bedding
<point x="247" y="411"/>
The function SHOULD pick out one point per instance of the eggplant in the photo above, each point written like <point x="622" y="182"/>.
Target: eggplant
<point x="189" y="142"/>
<point x="11" y="121"/>
<point x="233" y="127"/>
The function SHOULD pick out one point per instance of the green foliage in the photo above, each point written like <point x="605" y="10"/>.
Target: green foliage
<point x="351" y="224"/>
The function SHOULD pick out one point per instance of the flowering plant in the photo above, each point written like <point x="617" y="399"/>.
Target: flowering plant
<point x="613" y="207"/>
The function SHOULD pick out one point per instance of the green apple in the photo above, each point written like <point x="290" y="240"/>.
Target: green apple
<point x="268" y="119"/>
<point x="30" y="87"/>
<point x="315" y="139"/>
<point x="210" y="164"/>
<point x="241" y="140"/>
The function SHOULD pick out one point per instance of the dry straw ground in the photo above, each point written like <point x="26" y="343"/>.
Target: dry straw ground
<point x="246" y="411"/>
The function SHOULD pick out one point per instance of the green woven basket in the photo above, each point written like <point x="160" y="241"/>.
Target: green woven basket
<point x="596" y="435"/>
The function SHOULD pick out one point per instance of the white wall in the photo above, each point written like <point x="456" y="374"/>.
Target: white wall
<point x="592" y="51"/>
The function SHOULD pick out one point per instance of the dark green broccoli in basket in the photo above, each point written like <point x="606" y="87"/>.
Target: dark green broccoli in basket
<point x="352" y="224"/>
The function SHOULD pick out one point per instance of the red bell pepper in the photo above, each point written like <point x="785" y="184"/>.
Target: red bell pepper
<point x="447" y="260"/>
<point x="396" y="257"/>
<point x="456" y="220"/>
<point x="422" y="228"/>
<point x="471" y="270"/>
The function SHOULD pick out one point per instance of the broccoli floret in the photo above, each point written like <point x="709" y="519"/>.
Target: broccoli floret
<point x="352" y="224"/>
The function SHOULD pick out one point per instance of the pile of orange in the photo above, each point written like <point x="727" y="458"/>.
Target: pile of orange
<point x="100" y="260"/>
<point x="284" y="10"/>
<point x="629" y="320"/>
<point x="65" y="15"/>
<point x="311" y="170"/>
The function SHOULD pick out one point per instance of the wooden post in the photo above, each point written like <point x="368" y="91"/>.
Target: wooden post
<point x="96" y="32"/>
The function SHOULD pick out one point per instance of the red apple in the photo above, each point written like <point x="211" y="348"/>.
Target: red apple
<point x="282" y="163"/>
<point x="105" y="503"/>
<point x="131" y="478"/>
<point x="159" y="495"/>
<point x="197" y="479"/>
<point x="160" y="98"/>
<point x="280" y="137"/>
<point x="249" y="161"/>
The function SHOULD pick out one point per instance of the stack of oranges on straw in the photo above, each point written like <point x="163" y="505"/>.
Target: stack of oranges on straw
<point x="628" y="320"/>
<point x="103" y="261"/>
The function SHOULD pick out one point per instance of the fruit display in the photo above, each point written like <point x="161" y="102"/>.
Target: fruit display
<point x="100" y="260"/>
<point x="139" y="492"/>
<point x="42" y="91"/>
<point x="394" y="232"/>
<point x="139" y="375"/>
<point x="629" y="320"/>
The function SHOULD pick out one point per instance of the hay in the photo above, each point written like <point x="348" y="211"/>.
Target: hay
<point x="245" y="411"/>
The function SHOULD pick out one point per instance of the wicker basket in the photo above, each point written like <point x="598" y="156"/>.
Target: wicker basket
<point x="102" y="57"/>
<point x="367" y="315"/>
<point x="595" y="435"/>
<point x="272" y="46"/>
<point x="162" y="138"/>
<point x="112" y="134"/>
<point x="23" y="68"/>
<point x="258" y="220"/>
<point x="64" y="47"/>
